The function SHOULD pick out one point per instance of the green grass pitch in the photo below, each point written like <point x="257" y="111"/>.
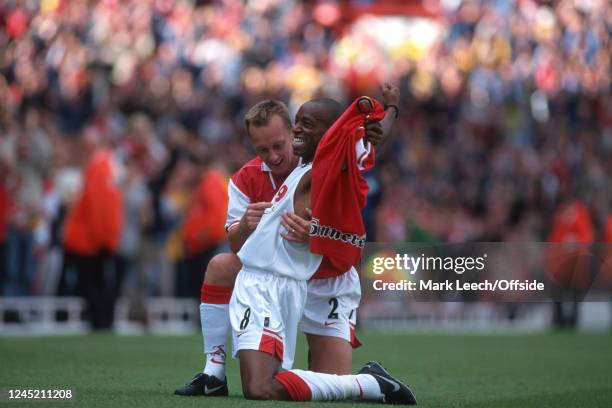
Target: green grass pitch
<point x="541" y="370"/>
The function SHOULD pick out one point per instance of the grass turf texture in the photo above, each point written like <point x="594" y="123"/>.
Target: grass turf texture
<point x="545" y="370"/>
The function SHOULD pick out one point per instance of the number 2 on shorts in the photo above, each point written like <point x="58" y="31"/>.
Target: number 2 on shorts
<point x="334" y="304"/>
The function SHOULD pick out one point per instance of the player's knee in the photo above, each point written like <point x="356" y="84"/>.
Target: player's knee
<point x="251" y="392"/>
<point x="222" y="270"/>
<point x="257" y="389"/>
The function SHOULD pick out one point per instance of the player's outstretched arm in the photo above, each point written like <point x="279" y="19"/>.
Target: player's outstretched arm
<point x="391" y="97"/>
<point x="238" y="235"/>
<point x="377" y="132"/>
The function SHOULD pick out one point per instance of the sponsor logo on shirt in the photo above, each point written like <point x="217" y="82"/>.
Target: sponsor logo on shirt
<point x="325" y="231"/>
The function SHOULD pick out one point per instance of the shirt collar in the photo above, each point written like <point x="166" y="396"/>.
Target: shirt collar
<point x="264" y="166"/>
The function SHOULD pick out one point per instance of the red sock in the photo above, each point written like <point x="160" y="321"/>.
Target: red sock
<point x="297" y="388"/>
<point x="215" y="294"/>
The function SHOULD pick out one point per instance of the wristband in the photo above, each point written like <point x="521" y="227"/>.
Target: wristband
<point x="394" y="107"/>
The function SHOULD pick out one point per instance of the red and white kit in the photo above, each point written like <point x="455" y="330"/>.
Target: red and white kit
<point x="274" y="293"/>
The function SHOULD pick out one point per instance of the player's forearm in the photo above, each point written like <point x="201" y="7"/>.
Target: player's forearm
<point x="391" y="99"/>
<point x="387" y="122"/>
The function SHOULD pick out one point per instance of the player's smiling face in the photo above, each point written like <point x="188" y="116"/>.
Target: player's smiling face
<point x="309" y="128"/>
<point x="272" y="142"/>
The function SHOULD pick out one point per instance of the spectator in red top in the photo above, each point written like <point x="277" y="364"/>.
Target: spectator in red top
<point x="572" y="223"/>
<point x="569" y="266"/>
<point x="4" y="218"/>
<point x="93" y="229"/>
<point x="606" y="266"/>
<point x="203" y="229"/>
<point x="94" y="224"/>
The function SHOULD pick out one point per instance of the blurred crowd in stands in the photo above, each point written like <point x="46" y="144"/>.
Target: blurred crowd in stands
<point x="134" y="110"/>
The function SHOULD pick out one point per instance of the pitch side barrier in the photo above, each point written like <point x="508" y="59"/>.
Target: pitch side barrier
<point x="42" y="315"/>
<point x="67" y="315"/>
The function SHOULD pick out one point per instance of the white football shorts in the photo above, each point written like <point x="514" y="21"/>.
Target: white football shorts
<point x="265" y="310"/>
<point x="331" y="307"/>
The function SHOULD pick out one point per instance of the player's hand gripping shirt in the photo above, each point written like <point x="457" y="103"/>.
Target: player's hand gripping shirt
<point x="253" y="183"/>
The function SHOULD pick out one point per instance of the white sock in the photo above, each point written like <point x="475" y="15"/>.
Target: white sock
<point x="330" y="387"/>
<point x="215" y="328"/>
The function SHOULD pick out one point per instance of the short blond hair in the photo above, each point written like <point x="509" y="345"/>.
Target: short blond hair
<point x="261" y="113"/>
